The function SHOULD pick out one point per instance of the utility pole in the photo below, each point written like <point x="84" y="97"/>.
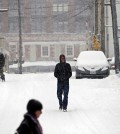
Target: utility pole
<point x="102" y="27"/>
<point x="115" y="35"/>
<point x="96" y="17"/>
<point x="99" y="23"/>
<point x="20" y="40"/>
<point x="106" y="27"/>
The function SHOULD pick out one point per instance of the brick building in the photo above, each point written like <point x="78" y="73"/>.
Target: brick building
<point x="49" y="27"/>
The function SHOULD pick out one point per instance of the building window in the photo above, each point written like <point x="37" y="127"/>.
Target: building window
<point x="13" y="24"/>
<point x="45" y="51"/>
<point x="38" y="16"/>
<point x="55" y="7"/>
<point x="60" y="15"/>
<point x="69" y="50"/>
<point x="60" y="27"/>
<point x="60" y="7"/>
<point x="38" y="24"/>
<point x="65" y="7"/>
<point x="13" y="6"/>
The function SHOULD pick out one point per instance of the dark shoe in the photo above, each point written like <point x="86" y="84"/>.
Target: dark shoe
<point x="64" y="109"/>
<point x="60" y="108"/>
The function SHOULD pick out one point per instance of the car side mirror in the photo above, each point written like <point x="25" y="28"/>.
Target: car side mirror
<point x="109" y="59"/>
<point x="75" y="59"/>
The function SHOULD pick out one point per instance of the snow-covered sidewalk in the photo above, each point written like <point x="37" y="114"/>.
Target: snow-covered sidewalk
<point x="93" y="104"/>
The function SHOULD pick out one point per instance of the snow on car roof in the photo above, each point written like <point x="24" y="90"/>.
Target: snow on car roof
<point x="92" y="58"/>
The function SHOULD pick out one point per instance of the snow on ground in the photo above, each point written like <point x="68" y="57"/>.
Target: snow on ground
<point x="93" y="104"/>
<point x="41" y="63"/>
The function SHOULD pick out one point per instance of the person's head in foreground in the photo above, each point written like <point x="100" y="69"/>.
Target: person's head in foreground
<point x="34" y="108"/>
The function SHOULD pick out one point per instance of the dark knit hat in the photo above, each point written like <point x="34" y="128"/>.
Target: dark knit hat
<point x="34" y="105"/>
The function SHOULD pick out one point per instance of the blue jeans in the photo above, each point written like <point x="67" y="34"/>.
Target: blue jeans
<point x="63" y="89"/>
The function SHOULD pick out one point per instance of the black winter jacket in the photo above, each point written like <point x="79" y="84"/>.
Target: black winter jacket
<point x="29" y="125"/>
<point x="63" y="72"/>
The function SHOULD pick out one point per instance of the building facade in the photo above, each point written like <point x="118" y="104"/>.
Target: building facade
<point x="49" y="27"/>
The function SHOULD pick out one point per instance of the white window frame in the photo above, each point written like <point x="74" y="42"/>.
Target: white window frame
<point x="42" y="51"/>
<point x="72" y="50"/>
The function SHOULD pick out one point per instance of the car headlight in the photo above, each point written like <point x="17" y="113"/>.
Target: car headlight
<point x="104" y="68"/>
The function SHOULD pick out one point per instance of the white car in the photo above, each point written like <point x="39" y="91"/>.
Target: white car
<point x="92" y="64"/>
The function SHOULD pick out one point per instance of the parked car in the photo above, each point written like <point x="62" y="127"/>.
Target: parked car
<point x="92" y="64"/>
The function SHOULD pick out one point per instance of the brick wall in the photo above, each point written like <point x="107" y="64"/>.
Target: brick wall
<point x="38" y="52"/>
<point x="52" y="51"/>
<point x="76" y="50"/>
<point x="4" y="17"/>
<point x="49" y="14"/>
<point x="27" y="52"/>
<point x="71" y="18"/>
<point x="27" y="15"/>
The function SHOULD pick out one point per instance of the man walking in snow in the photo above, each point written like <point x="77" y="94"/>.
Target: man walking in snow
<point x="63" y="72"/>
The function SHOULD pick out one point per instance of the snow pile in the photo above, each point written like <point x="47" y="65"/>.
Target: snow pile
<point x="40" y="63"/>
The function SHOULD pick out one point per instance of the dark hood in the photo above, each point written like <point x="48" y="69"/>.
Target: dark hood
<point x="62" y="55"/>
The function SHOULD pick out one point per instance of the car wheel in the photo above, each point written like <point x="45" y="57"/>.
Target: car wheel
<point x="76" y="77"/>
<point x="79" y="77"/>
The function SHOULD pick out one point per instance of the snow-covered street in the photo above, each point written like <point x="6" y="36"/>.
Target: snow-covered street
<point x="94" y="104"/>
